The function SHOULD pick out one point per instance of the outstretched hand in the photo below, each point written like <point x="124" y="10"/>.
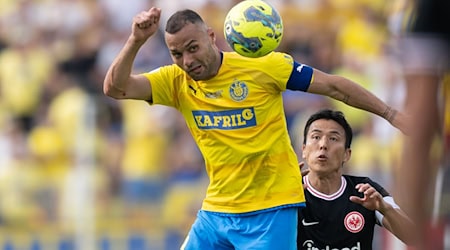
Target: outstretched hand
<point x="372" y="199"/>
<point x="145" y="24"/>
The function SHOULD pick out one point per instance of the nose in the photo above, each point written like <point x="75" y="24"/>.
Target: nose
<point x="323" y="143"/>
<point x="187" y="60"/>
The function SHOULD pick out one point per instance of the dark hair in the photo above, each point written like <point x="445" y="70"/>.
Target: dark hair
<point x="180" y="18"/>
<point x="336" y="116"/>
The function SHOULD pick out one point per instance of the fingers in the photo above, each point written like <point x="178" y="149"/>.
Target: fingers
<point x="301" y="164"/>
<point x="148" y="18"/>
<point x="356" y="199"/>
<point x="367" y="190"/>
<point x="371" y="199"/>
<point x="303" y="171"/>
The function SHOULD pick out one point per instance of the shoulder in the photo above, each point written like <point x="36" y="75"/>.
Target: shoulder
<point x="357" y="179"/>
<point x="167" y="72"/>
<point x="354" y="180"/>
<point x="171" y="68"/>
<point x="271" y="59"/>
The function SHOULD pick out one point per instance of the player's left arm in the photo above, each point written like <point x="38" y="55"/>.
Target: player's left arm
<point x="397" y="222"/>
<point x="390" y="214"/>
<point x="353" y="94"/>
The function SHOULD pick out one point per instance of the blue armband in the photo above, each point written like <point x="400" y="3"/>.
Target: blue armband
<point x="300" y="78"/>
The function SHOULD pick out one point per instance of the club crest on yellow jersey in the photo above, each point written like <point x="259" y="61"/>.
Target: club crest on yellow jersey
<point x="238" y="91"/>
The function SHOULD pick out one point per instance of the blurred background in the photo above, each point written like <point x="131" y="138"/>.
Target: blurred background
<point x="79" y="170"/>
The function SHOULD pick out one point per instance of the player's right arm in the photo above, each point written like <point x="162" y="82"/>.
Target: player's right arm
<point x="353" y="94"/>
<point x="119" y="81"/>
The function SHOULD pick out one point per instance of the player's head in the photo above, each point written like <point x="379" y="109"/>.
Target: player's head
<point x="326" y="143"/>
<point x="181" y="18"/>
<point x="336" y="116"/>
<point x="192" y="44"/>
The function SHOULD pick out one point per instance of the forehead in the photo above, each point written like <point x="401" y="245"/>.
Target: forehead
<point x="326" y="126"/>
<point x="190" y="32"/>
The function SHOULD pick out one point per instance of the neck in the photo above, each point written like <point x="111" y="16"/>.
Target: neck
<point x="219" y="58"/>
<point x="328" y="184"/>
<point x="214" y="66"/>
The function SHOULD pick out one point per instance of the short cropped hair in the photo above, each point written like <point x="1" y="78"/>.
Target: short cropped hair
<point x="336" y="116"/>
<point x="180" y="18"/>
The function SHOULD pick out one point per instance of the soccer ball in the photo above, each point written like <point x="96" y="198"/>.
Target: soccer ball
<point x="253" y="28"/>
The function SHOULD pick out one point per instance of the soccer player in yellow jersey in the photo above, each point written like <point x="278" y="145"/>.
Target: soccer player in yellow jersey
<point x="233" y="108"/>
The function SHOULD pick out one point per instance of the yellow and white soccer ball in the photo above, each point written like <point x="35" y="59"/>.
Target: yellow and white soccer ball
<point x="253" y="28"/>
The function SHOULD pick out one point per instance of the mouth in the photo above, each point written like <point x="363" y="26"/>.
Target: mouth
<point x="322" y="157"/>
<point x="195" y="70"/>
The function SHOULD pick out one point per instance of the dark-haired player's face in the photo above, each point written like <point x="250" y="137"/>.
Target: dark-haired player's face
<point x="324" y="151"/>
<point x="193" y="49"/>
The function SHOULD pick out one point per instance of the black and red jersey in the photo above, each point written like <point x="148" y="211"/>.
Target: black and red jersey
<point x="333" y="221"/>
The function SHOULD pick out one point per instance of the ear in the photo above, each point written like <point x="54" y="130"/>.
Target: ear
<point x="303" y="151"/>
<point x="347" y="155"/>
<point x="211" y="34"/>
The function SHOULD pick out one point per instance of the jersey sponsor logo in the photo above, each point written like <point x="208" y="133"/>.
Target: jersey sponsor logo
<point x="306" y="224"/>
<point x="354" y="222"/>
<point x="310" y="245"/>
<point x="225" y="120"/>
<point x="214" y="95"/>
<point x="238" y="91"/>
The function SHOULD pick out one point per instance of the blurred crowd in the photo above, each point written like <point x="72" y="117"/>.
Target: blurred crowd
<point x="76" y="163"/>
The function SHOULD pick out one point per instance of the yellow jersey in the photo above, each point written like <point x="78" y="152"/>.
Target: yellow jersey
<point x="238" y="121"/>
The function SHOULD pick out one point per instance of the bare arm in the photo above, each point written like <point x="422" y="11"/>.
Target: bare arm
<point x="398" y="223"/>
<point x="353" y="94"/>
<point x="119" y="82"/>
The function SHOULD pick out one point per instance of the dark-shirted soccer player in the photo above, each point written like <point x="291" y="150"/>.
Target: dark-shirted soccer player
<point x="341" y="210"/>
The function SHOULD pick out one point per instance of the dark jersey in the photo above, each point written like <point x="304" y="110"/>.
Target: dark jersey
<point x="432" y="17"/>
<point x="333" y="221"/>
<point x="425" y="48"/>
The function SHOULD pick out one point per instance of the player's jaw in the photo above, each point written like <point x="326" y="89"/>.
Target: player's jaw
<point x="201" y="69"/>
